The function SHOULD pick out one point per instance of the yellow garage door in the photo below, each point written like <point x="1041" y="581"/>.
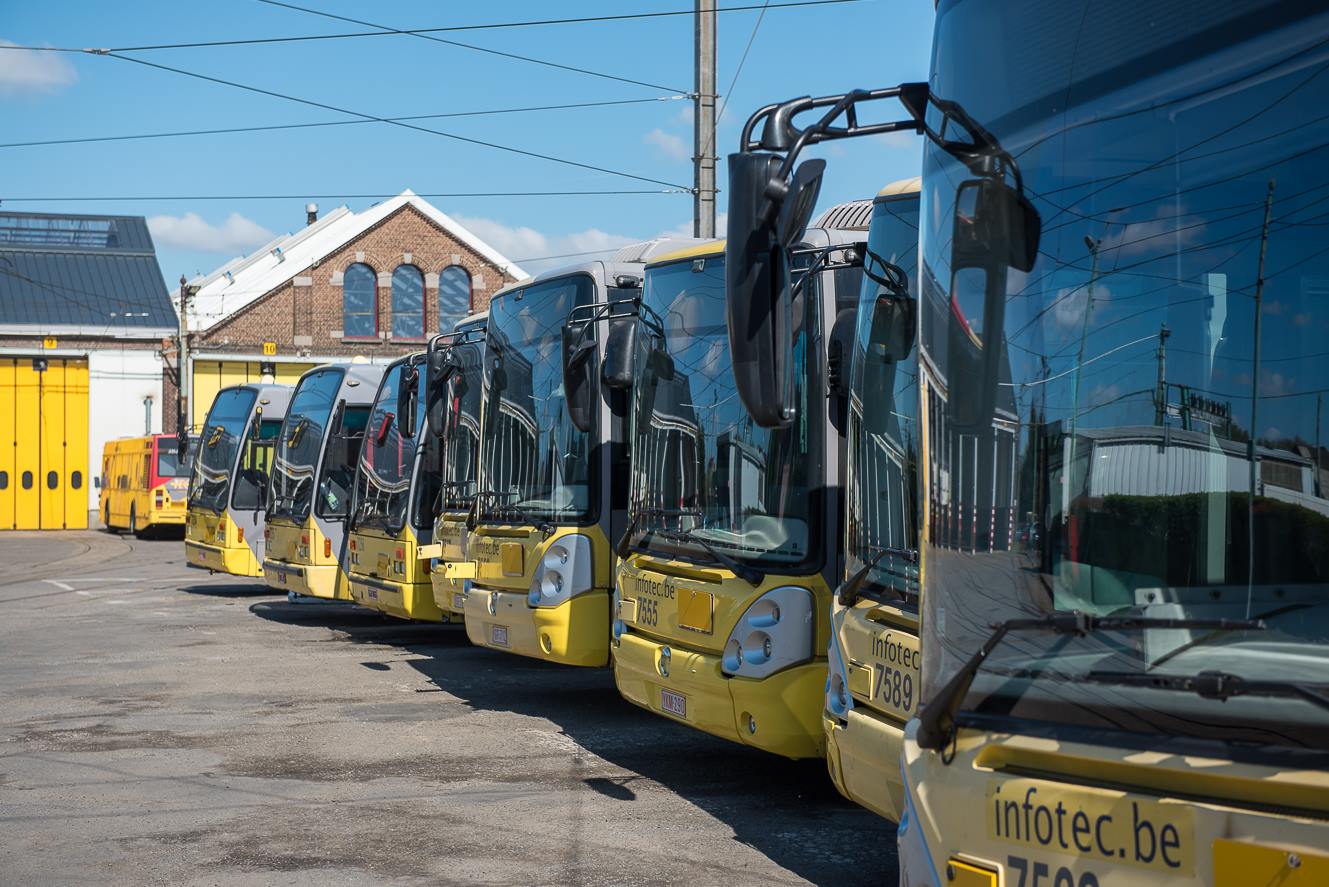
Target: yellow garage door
<point x="43" y="443"/>
<point x="210" y="376"/>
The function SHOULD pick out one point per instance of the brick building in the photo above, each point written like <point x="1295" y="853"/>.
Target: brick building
<point x="375" y="283"/>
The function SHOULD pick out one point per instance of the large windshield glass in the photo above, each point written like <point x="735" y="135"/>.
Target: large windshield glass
<point x="702" y="470"/>
<point x="336" y="479"/>
<point x="219" y="444"/>
<point x="1135" y="426"/>
<point x="169" y="463"/>
<point x="461" y="428"/>
<point x="882" y="471"/>
<point x="299" y="443"/>
<point x="387" y="457"/>
<point x="534" y="462"/>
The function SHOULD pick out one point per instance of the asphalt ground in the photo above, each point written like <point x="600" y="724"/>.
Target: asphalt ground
<point x="163" y="726"/>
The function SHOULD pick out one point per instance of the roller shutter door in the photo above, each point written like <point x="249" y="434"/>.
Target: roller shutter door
<point x="43" y="443"/>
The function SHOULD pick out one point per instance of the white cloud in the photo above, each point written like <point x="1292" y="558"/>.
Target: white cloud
<point x="670" y="145"/>
<point x="190" y="231"/>
<point x="28" y="71"/>
<point x="522" y="244"/>
<point x="1068" y="306"/>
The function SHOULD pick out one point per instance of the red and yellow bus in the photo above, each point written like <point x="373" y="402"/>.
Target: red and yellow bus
<point x="143" y="482"/>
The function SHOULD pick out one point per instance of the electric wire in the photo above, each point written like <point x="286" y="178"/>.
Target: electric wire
<point x="371" y="117"/>
<point x="200" y="44"/>
<point x="509" y="55"/>
<point x="342" y="196"/>
<point x="281" y="126"/>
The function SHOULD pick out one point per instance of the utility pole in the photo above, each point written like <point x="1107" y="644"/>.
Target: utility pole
<point x="183" y="370"/>
<point x="1160" y="399"/>
<point x="1255" y="402"/>
<point x="703" y="130"/>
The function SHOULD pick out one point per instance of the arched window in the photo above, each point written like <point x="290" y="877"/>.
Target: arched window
<point x="408" y="303"/>
<point x="454" y="297"/>
<point x="359" y="302"/>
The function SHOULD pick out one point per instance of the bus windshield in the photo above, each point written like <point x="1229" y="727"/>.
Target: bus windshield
<point x="1134" y="426"/>
<point x="461" y="429"/>
<point x="219" y="445"/>
<point x="387" y="457"/>
<point x="703" y="473"/>
<point x="169" y="464"/>
<point x="336" y="479"/>
<point x="299" y="443"/>
<point x="534" y="462"/>
<point x="883" y="448"/>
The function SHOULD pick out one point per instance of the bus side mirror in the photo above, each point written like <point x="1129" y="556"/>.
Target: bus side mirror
<point x="181" y="445"/>
<point x="766" y="217"/>
<point x="407" y="401"/>
<point x="994" y="229"/>
<point x="620" y="363"/>
<point x="444" y="363"/>
<point x="579" y="374"/>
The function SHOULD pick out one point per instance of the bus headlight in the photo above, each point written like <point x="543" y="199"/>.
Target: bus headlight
<point x="564" y="571"/>
<point x="773" y="634"/>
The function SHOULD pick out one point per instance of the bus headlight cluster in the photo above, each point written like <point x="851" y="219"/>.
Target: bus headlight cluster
<point x="774" y="633"/>
<point x="838" y="700"/>
<point x="616" y="621"/>
<point x="564" y="571"/>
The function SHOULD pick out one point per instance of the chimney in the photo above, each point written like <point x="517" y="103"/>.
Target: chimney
<point x="311" y="213"/>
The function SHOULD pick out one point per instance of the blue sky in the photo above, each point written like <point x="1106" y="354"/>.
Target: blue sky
<point x="52" y="96"/>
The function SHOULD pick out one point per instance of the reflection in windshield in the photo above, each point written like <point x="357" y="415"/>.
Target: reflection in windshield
<point x="336" y="479"/>
<point x="1147" y="438"/>
<point x="461" y="428"/>
<point x="387" y="457"/>
<point x="299" y="443"/>
<point x="699" y="462"/>
<point x="882" y="470"/>
<point x="219" y="444"/>
<point x="534" y="461"/>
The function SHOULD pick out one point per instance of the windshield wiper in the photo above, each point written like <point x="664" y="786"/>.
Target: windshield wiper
<point x="624" y="546"/>
<point x="751" y="575"/>
<point x="1218" y="685"/>
<point x="936" y="726"/>
<point x="849" y="591"/>
<point x="894" y="279"/>
<point x="512" y="508"/>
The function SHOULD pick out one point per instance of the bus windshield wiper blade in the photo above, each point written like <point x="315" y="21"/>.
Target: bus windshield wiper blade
<point x="1218" y="685"/>
<point x="936" y="725"/>
<point x="751" y="575"/>
<point x="497" y="496"/>
<point x="849" y="591"/>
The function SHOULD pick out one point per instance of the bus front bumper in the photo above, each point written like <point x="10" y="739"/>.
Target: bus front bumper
<point x="235" y="561"/>
<point x="780" y="714"/>
<point x="449" y="594"/>
<point x="405" y="600"/>
<point x="576" y="632"/>
<point x="863" y="757"/>
<point x="321" y="580"/>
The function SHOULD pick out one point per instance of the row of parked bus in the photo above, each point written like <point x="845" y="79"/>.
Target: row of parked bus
<point x="1003" y="491"/>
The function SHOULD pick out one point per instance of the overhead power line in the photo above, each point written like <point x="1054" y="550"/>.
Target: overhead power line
<point x="510" y="55"/>
<point x="130" y="199"/>
<point x="438" y="132"/>
<point x="280" y="126"/>
<point x="299" y="38"/>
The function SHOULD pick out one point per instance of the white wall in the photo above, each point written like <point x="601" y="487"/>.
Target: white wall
<point x="118" y="383"/>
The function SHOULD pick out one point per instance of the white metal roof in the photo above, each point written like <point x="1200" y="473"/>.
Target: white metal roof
<point x="236" y="284"/>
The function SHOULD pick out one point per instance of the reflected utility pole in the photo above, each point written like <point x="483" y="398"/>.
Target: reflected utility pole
<point x="1160" y="399"/>
<point x="1255" y="403"/>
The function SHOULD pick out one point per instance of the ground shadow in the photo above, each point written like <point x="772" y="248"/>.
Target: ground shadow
<point x="786" y="810"/>
<point x="239" y="589"/>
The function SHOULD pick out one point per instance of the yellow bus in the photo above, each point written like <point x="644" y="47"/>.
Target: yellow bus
<point x="1124" y="532"/>
<point x="456" y="364"/>
<point x="229" y="479"/>
<point x="392" y="514"/>
<point x="552" y="484"/>
<point x="734" y="544"/>
<point x="313" y="478"/>
<point x="143" y="483"/>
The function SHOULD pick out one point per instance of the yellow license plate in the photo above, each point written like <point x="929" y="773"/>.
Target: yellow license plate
<point x="511" y="556"/>
<point x="1242" y="864"/>
<point x="965" y="874"/>
<point x="695" y="610"/>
